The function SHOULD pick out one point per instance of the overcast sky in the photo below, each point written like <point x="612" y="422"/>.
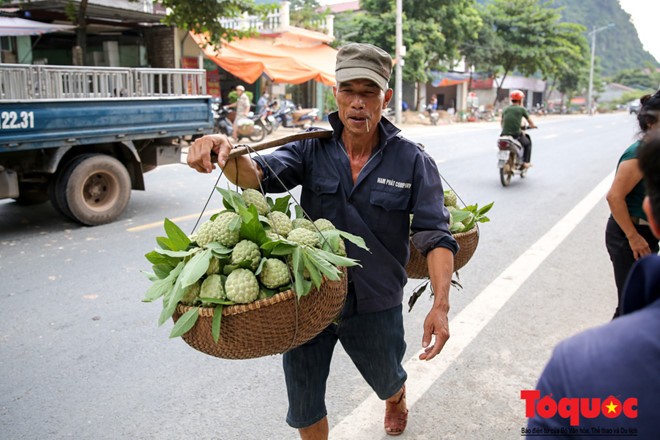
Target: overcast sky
<point x="645" y="18"/>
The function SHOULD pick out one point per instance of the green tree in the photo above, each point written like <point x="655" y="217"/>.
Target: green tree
<point x="202" y="17"/>
<point x="307" y="14"/>
<point x="527" y="38"/>
<point x="432" y="31"/>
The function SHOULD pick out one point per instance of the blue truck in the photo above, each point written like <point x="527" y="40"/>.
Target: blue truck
<point x="83" y="137"/>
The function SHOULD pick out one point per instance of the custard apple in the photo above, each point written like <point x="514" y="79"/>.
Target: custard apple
<point x="222" y="229"/>
<point x="254" y="197"/>
<point x="212" y="287"/>
<point x="324" y="224"/>
<point x="303" y="223"/>
<point x="191" y="294"/>
<point x="246" y="250"/>
<point x="280" y="223"/>
<point x="304" y="236"/>
<point x="450" y="198"/>
<point x="214" y="266"/>
<point x="242" y="286"/>
<point x="274" y="273"/>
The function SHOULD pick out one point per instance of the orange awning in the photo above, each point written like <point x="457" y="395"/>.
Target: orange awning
<point x="249" y="58"/>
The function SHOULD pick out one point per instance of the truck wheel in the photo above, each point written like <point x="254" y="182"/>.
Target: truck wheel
<point x="57" y="187"/>
<point x="97" y="189"/>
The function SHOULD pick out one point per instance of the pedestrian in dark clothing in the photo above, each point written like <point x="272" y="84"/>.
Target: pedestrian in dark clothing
<point x="367" y="179"/>
<point x="628" y="235"/>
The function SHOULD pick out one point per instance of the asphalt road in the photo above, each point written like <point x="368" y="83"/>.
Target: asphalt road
<point x="82" y="357"/>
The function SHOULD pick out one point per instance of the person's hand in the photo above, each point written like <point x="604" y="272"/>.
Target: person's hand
<point x="639" y="246"/>
<point x="436" y="324"/>
<point x="199" y="153"/>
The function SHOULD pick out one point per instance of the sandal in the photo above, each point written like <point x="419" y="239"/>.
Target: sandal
<point x="395" y="420"/>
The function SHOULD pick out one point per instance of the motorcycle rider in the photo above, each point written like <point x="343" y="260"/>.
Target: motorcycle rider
<point x="512" y="122"/>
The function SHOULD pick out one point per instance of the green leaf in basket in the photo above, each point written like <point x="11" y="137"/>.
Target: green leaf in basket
<point x="195" y="268"/>
<point x="165" y="243"/>
<point x="281" y="204"/>
<point x="459" y="215"/>
<point x="162" y="270"/>
<point x="178" y="238"/>
<point x="177" y="254"/>
<point x="215" y="325"/>
<point x="170" y="301"/>
<point x="338" y="260"/>
<point x="301" y="286"/>
<point x="161" y="287"/>
<point x="324" y="266"/>
<point x="357" y="241"/>
<point x="218" y="249"/>
<point x="299" y="212"/>
<point x="185" y="322"/>
<point x="314" y="272"/>
<point x="155" y="257"/>
<point x="217" y="301"/>
<point x="231" y="199"/>
<point x="484" y="209"/>
<point x="278" y="247"/>
<point x="251" y="227"/>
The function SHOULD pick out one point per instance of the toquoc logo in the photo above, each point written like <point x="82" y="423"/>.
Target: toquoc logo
<point x="573" y="408"/>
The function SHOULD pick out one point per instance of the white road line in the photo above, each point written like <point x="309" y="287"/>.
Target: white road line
<point x="175" y="220"/>
<point x="366" y="419"/>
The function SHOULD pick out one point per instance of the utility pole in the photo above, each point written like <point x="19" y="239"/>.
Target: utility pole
<point x="399" y="62"/>
<point x="591" y="69"/>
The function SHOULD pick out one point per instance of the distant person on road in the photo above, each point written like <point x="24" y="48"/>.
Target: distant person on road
<point x="262" y="103"/>
<point x="512" y="125"/>
<point x="628" y="235"/>
<point x="242" y="106"/>
<point x="617" y="363"/>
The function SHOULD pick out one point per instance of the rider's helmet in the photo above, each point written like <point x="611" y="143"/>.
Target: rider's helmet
<point x="517" y="95"/>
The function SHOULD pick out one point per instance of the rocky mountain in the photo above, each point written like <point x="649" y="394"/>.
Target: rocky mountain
<point x="618" y="47"/>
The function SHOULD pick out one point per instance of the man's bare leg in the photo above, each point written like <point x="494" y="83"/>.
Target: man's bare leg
<point x="317" y="431"/>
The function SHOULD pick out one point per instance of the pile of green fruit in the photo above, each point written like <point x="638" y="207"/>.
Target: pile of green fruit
<point x="249" y="251"/>
<point x="464" y="219"/>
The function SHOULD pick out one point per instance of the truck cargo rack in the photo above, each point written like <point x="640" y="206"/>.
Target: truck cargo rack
<point x="47" y="82"/>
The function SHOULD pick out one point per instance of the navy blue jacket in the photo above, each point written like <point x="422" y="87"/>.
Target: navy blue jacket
<point x="399" y="179"/>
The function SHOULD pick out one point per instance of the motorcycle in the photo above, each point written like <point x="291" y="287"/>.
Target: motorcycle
<point x="253" y="128"/>
<point x="510" y="157"/>
<point x="268" y="119"/>
<point x="290" y="116"/>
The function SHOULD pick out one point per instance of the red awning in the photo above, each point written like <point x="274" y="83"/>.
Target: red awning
<point x="249" y="58"/>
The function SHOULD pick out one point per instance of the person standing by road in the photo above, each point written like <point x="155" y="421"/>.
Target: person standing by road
<point x="367" y="180"/>
<point x="616" y="363"/>
<point x="511" y="123"/>
<point x="242" y="106"/>
<point x="628" y="235"/>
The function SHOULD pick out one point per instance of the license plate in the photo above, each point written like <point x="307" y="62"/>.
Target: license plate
<point x="502" y="155"/>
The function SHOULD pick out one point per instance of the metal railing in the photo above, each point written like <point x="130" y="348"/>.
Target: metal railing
<point x="18" y="81"/>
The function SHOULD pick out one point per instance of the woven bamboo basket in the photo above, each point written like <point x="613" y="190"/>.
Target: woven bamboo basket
<point x="418" y="268"/>
<point x="268" y="326"/>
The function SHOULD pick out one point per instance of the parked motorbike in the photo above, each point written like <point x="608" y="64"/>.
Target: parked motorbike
<point x="510" y="157"/>
<point x="290" y="116"/>
<point x="252" y="128"/>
